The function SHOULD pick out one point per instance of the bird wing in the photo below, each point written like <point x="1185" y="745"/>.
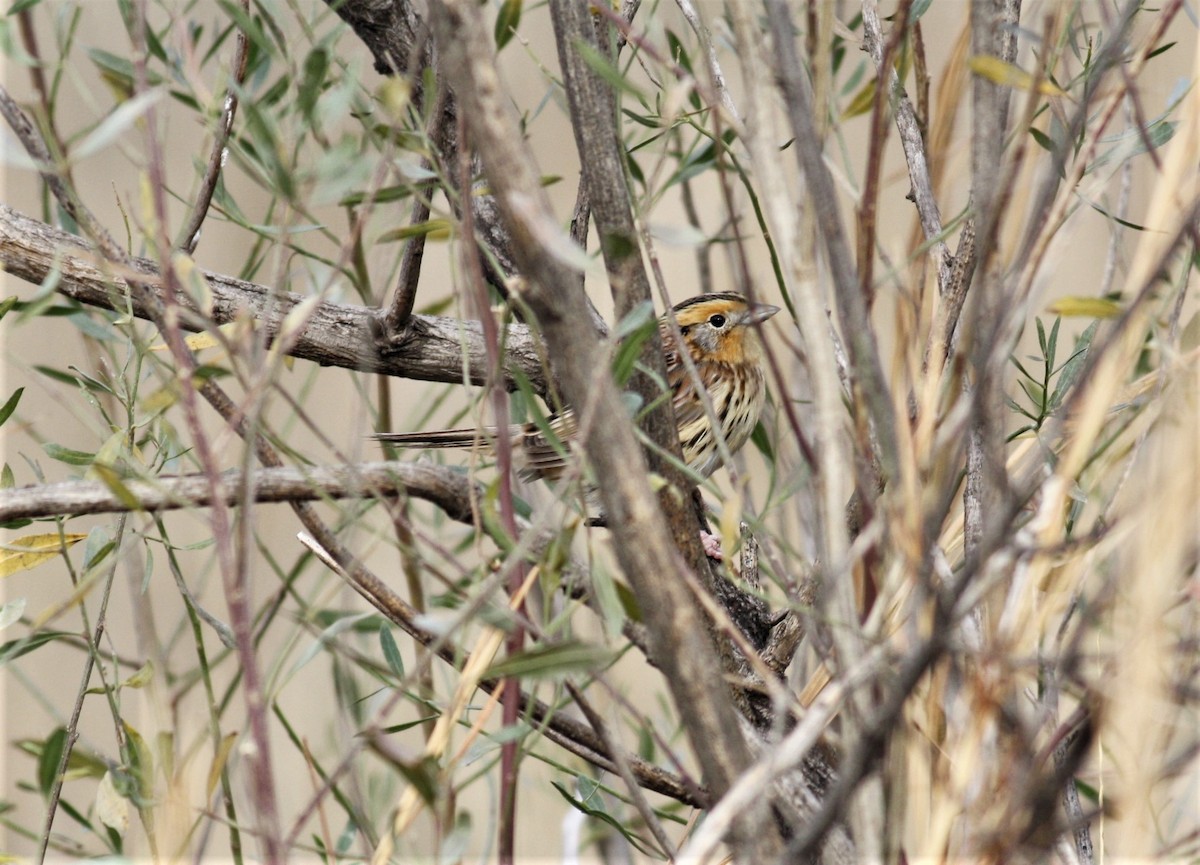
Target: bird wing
<point x="446" y="438"/>
<point x="546" y="452"/>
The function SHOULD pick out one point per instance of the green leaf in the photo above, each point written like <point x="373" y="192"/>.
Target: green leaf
<point x="550" y="661"/>
<point x="433" y="229"/>
<point x="381" y="196"/>
<point x="1154" y="53"/>
<point x="408" y="725"/>
<point x="918" y="8"/>
<point x="67" y="455"/>
<point x="1073" y="368"/>
<point x="506" y="22"/>
<point x="7" y="304"/>
<point x="635" y="320"/>
<point x="391" y="652"/>
<point x="14" y="649"/>
<point x="1042" y="139"/>
<point x="601" y="814"/>
<point x="52" y="751"/>
<point x="11" y="405"/>
<point x="603" y="67"/>
<point x="633" y="331"/>
<point x="329" y="634"/>
<point x="424" y="778"/>
<point x="678" y="52"/>
<point x="762" y="441"/>
<point x="316" y="65"/>
<point x="862" y="102"/>
<point x="57" y="374"/>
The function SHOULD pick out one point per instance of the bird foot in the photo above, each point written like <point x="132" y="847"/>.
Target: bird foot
<point x="712" y="546"/>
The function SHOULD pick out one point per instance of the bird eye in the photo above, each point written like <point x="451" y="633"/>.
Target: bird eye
<point x="717" y="320"/>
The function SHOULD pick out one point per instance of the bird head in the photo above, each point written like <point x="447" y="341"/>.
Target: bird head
<point x="720" y="327"/>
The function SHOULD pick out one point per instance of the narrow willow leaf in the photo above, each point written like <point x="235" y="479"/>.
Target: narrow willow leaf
<point x="1009" y="75"/>
<point x="32" y="550"/>
<point x="52" y="751"/>
<point x="204" y="339"/>
<point x="1086" y="307"/>
<point x="218" y="762"/>
<point x="67" y="455"/>
<point x="550" y="661"/>
<point x="391" y="652"/>
<point x="862" y="102"/>
<point x="11" y="405"/>
<point x="600" y="814"/>
<point x="506" y="22"/>
<point x="432" y="229"/>
<point x="14" y="649"/>
<point x="116" y="123"/>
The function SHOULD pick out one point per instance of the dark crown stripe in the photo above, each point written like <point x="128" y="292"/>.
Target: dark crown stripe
<point x="709" y="298"/>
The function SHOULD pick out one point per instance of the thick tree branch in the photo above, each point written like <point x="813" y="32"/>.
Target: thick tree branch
<point x="450" y="490"/>
<point x="430" y="348"/>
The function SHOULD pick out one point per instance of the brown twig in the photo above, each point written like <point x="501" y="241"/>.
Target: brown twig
<point x="189" y="236"/>
<point x="867" y="372"/>
<point x="908" y="125"/>
<point x="76" y="711"/>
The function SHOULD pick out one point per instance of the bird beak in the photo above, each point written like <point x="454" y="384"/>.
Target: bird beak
<point x="760" y="312"/>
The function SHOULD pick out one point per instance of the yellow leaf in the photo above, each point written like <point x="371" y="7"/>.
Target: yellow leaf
<point x="862" y="102"/>
<point x="161" y="399"/>
<point x="141" y="678"/>
<point x="394" y="95"/>
<point x="433" y="229"/>
<point x="204" y="339"/>
<point x="1008" y="75"/>
<point x="111" y="478"/>
<point x="21" y="554"/>
<point x="219" y="761"/>
<point x="1086" y="307"/>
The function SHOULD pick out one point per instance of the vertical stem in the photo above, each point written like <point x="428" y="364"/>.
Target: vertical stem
<point x="478" y="289"/>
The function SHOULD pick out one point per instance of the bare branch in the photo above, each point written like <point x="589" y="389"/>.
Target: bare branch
<point x="190" y="235"/>
<point x="911" y="138"/>
<point x="430" y="348"/>
<point x="445" y="487"/>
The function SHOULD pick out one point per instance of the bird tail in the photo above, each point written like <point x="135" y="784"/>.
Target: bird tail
<point x="450" y="438"/>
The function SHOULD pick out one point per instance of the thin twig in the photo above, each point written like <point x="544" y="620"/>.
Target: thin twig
<point x="85" y="679"/>
<point x="189" y="236"/>
<point x="911" y="137"/>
